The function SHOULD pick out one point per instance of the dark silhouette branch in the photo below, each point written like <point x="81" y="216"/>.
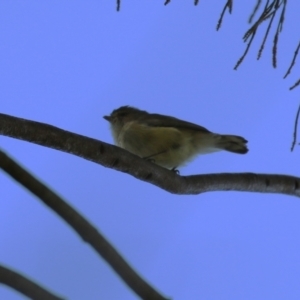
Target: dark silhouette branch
<point x="251" y="34"/>
<point x="116" y="158"/>
<point x="168" y="1"/>
<point x="85" y="230"/>
<point x="263" y="17"/>
<point x="295" y="84"/>
<point x="295" y="129"/>
<point x="245" y="53"/>
<point x="278" y="31"/>
<point x="228" y="5"/>
<point x="265" y="37"/>
<point x="25" y="286"/>
<point x="269" y="12"/>
<point x="255" y="10"/>
<point x="293" y="61"/>
<point x="291" y="66"/>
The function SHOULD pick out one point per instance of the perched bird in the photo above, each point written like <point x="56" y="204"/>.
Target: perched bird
<point x="167" y="141"/>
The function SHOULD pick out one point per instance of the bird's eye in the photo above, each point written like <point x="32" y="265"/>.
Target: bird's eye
<point x="122" y="114"/>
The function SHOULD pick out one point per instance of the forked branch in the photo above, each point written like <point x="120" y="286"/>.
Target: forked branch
<point x="268" y="14"/>
<point x="228" y="5"/>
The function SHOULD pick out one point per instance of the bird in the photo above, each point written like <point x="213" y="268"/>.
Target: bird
<point x="165" y="140"/>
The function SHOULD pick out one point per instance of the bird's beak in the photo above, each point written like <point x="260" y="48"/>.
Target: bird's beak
<point x="107" y="118"/>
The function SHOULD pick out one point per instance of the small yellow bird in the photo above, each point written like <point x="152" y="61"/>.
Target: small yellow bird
<point x="167" y="141"/>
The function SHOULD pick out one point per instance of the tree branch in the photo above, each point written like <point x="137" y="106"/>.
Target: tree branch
<point x="116" y="158"/>
<point x="256" y="7"/>
<point x="118" y="5"/>
<point x="295" y="85"/>
<point x="228" y="5"/>
<point x="268" y="13"/>
<point x="85" y="230"/>
<point x="295" y="129"/>
<point x="25" y="286"/>
<point x="293" y="61"/>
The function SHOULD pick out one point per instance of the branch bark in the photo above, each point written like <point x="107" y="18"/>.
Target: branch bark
<point x="116" y="158"/>
<point x="85" y="230"/>
<point x="25" y="286"/>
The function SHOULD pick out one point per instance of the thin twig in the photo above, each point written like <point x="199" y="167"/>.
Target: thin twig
<point x="118" y="5"/>
<point x="258" y="3"/>
<point x="84" y="229"/>
<point x="274" y="50"/>
<point x="265" y="37"/>
<point x="278" y="31"/>
<point x="25" y="286"/>
<point x="293" y="61"/>
<point x="269" y="11"/>
<point x="196" y="2"/>
<point x="167" y="2"/>
<point x="282" y="17"/>
<point x="266" y="14"/>
<point x="228" y="5"/>
<point x="245" y="53"/>
<point x="295" y="129"/>
<point x="295" y="85"/>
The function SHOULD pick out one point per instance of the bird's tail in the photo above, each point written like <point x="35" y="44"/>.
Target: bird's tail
<point x="231" y="143"/>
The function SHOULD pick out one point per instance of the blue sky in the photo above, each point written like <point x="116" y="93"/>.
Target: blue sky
<point x="68" y="64"/>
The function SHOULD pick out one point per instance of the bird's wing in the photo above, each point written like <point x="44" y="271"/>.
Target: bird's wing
<point x="157" y="120"/>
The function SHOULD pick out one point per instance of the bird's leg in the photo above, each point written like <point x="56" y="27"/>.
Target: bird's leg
<point x="176" y="171"/>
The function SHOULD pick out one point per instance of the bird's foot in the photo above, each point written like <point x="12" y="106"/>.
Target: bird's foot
<point x="176" y="171"/>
